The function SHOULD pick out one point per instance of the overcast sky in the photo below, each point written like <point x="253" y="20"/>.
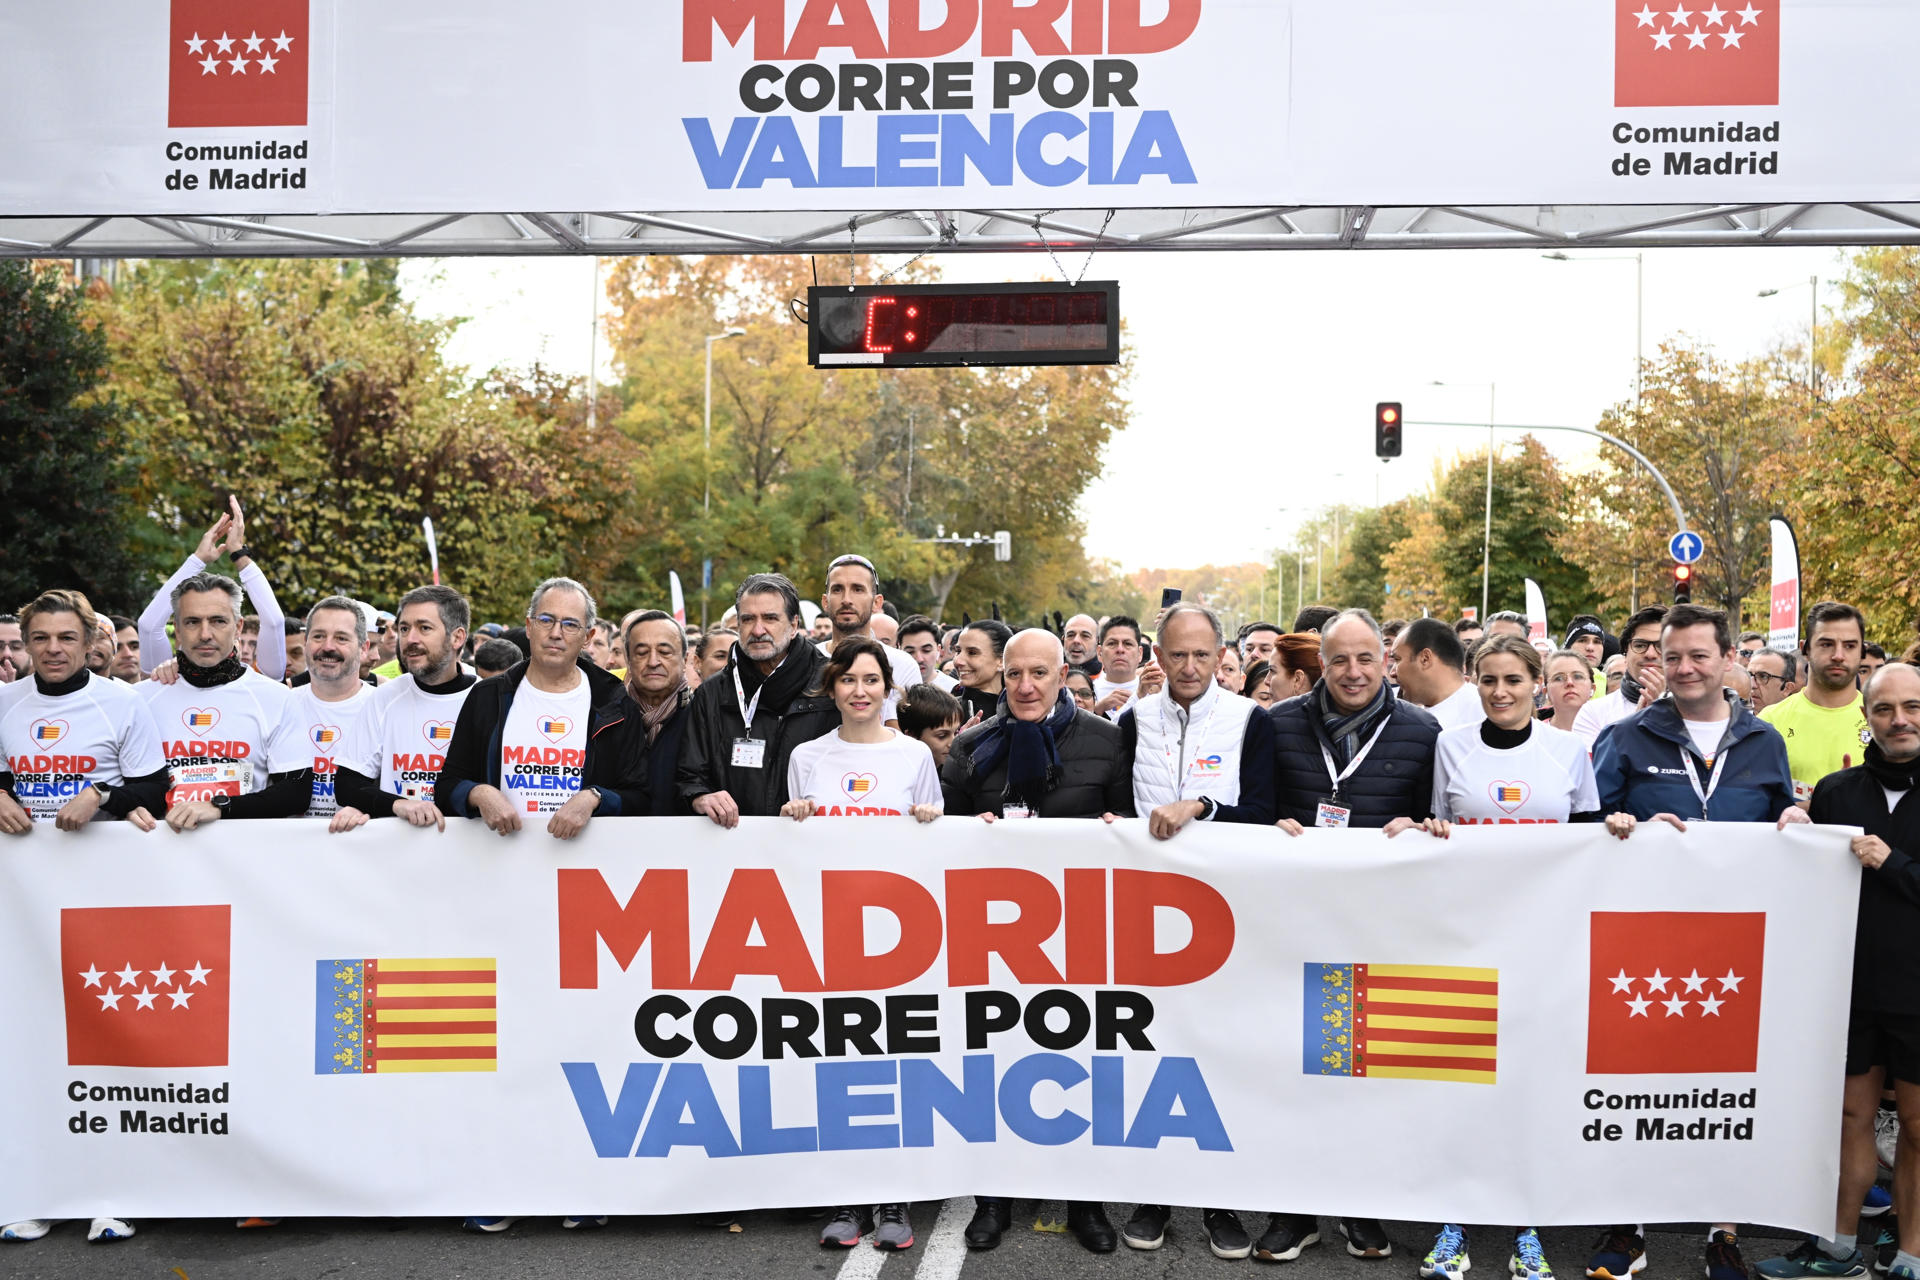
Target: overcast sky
<point x="1255" y="374"/>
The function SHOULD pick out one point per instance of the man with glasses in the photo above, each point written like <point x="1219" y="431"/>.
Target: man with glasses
<point x="1751" y="643"/>
<point x="1775" y="676"/>
<point x="1644" y="682"/>
<point x="534" y="742"/>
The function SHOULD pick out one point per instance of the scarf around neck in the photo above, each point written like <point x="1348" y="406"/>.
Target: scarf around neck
<point x="1030" y="748"/>
<point x="655" y="715"/>
<point x="1895" y="775"/>
<point x="1349" y="730"/>
<point x="223" y="672"/>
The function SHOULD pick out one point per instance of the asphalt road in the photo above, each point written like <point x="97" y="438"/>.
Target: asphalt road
<point x="768" y="1246"/>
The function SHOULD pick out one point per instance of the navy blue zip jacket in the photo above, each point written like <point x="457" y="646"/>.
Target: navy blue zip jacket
<point x="1637" y="765"/>
<point x="1394" y="781"/>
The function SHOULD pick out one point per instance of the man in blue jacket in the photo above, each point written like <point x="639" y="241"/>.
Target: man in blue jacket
<point x="1695" y="754"/>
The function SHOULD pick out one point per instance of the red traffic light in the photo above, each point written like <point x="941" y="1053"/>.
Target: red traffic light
<point x="1682" y="572"/>
<point x="1386" y="429"/>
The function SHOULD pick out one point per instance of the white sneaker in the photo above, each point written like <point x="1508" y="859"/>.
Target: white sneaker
<point x="103" y="1229"/>
<point x="26" y="1229"/>
<point x="1886" y="1139"/>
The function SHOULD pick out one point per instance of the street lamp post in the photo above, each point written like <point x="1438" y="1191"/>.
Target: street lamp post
<point x="1813" y="328"/>
<point x="706" y="495"/>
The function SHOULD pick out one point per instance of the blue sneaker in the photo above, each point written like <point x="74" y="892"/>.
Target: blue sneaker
<point x="26" y="1229"/>
<point x="1447" y="1260"/>
<point x="1886" y="1247"/>
<point x="1723" y="1258"/>
<point x="1617" y="1254"/>
<point x="489" y="1225"/>
<point x="1811" y="1260"/>
<point x="1879" y="1200"/>
<point x="1529" y="1261"/>
<point x="1903" y="1273"/>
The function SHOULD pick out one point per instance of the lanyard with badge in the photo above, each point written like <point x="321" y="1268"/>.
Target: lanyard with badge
<point x="1713" y="782"/>
<point x="1329" y="812"/>
<point x="1174" y="753"/>
<point x="749" y="752"/>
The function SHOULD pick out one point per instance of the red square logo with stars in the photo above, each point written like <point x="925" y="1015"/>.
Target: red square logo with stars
<point x="146" y="986"/>
<point x="1674" y="992"/>
<point x="237" y="63"/>
<point x="1681" y="54"/>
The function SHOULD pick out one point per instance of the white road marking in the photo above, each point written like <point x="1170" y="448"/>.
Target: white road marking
<point x="863" y="1261"/>
<point x="945" y="1251"/>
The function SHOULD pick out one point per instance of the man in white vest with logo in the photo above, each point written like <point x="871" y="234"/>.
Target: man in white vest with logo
<point x="1197" y="754"/>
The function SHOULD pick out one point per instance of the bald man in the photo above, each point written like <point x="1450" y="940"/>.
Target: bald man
<point x="1081" y="636"/>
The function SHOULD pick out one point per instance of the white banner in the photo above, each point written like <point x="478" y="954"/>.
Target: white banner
<point x="665" y="1016"/>
<point x="1537" y="618"/>
<point x="1784" y="596"/>
<point x="309" y="106"/>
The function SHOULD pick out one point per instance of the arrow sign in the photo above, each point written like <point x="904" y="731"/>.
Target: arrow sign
<point x="1685" y="547"/>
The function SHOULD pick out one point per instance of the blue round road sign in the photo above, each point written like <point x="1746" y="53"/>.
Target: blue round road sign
<point x="1685" y="547"/>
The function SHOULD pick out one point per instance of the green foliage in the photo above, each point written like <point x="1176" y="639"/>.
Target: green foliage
<point x="1530" y="525"/>
<point x="63" y="484"/>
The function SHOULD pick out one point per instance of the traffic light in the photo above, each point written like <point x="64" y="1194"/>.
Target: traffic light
<point x="1683" y="584"/>
<point x="1386" y="429"/>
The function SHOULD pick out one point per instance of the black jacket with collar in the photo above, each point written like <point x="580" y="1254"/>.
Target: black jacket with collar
<point x="791" y="711"/>
<point x="1886" y="942"/>
<point x="1095" y="774"/>
<point x="1394" y="781"/>
<point x="616" y="754"/>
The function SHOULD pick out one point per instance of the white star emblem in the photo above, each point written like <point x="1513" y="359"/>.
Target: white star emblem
<point x="239" y="66"/>
<point x="180" y="998"/>
<point x="282" y="42"/>
<point x="1714" y="15"/>
<point x="110" y="1000"/>
<point x="1730" y="39"/>
<point x="1621" y="982"/>
<point x="209" y="65"/>
<point x="225" y="42"/>
<point x="1694" y="981"/>
<point x="1730" y="983"/>
<point x="1658" y="982"/>
<point x="1676" y="1007"/>
<point x="196" y="44"/>
<point x="1711" y="1005"/>
<point x="253" y="42"/>
<point x="1663" y="40"/>
<point x="1639" y="1006"/>
<point x="1645" y="17"/>
<point x="127" y="975"/>
<point x="1750" y="15"/>
<point x="268" y="62"/>
<point x="1698" y="39"/>
<point x="144" y="998"/>
<point x="1680" y="15"/>
<point x="197" y="974"/>
<point x="163" y="975"/>
<point x="92" y="975"/>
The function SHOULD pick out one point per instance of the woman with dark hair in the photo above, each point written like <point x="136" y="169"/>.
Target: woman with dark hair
<point x="976" y="664"/>
<point x="1080" y="685"/>
<point x="862" y="770"/>
<point x="1296" y="663"/>
<point x="1257" y="682"/>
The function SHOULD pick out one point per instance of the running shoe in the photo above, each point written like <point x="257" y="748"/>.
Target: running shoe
<point x="1529" y="1261"/>
<point x="1225" y="1236"/>
<point x="574" y="1224"/>
<point x="1147" y="1228"/>
<point x="1447" y="1260"/>
<point x="1617" y="1254"/>
<point x="1903" y="1273"/>
<point x="26" y="1229"/>
<point x="1366" y="1238"/>
<point x="1286" y="1235"/>
<point x="1886" y="1247"/>
<point x="1723" y="1258"/>
<point x="1886" y="1138"/>
<point x="488" y="1225"/>
<point x="891" y="1227"/>
<point x="846" y="1226"/>
<point x="102" y="1230"/>
<point x="1879" y="1200"/>
<point x="1811" y="1260"/>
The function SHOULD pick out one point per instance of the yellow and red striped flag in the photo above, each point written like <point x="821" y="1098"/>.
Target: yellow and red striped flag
<point x="381" y="1016"/>
<point x="1401" y="1021"/>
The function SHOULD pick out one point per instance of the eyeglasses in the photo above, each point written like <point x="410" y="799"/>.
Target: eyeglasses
<point x="1758" y="676"/>
<point x="569" y="627"/>
<point x="1641" y="646"/>
<point x="1570" y="677"/>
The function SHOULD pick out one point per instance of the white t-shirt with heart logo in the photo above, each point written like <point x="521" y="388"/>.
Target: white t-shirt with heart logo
<point x="327" y="725"/>
<point x="1547" y="778"/>
<point x="863" y="779"/>
<point x="55" y="745"/>
<point x="226" y="740"/>
<point x="400" y="741"/>
<point x="543" y="747"/>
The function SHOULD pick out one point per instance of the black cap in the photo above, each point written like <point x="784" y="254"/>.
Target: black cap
<point x="1585" y="627"/>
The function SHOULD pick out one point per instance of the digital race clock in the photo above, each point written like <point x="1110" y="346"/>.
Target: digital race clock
<point x="963" y="324"/>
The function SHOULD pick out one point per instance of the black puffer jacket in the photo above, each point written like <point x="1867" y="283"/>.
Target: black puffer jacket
<point x="1394" y="781"/>
<point x="785" y="717"/>
<point x="1095" y="777"/>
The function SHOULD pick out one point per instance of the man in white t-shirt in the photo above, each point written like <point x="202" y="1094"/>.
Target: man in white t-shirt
<point x="394" y="753"/>
<point x="852" y="595"/>
<point x="1121" y="652"/>
<point x="920" y="640"/>
<point x="1430" y="663"/>
<point x="235" y="747"/>
<point x="334" y="697"/>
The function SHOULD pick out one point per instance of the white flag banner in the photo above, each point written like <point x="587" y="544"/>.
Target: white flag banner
<point x="1537" y="618"/>
<point x="663" y="1016"/>
<point x="223" y="107"/>
<point x="1783" y="616"/>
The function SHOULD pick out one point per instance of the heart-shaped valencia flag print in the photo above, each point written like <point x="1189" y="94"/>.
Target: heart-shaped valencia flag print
<point x="200" y="719"/>
<point x="48" y="732"/>
<point x="1509" y="796"/>
<point x="856" y="786"/>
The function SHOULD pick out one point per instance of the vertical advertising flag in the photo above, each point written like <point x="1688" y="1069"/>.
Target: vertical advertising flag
<point x="1537" y="619"/>
<point x="1783" y="629"/>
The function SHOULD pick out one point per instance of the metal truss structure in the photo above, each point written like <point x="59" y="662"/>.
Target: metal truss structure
<point x="960" y="231"/>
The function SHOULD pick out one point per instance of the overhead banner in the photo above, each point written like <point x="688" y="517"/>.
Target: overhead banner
<point x="1784" y="619"/>
<point x="318" y="106"/>
<point x="664" y="1016"/>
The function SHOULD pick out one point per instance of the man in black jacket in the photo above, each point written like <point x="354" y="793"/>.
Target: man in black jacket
<point x="1882" y="797"/>
<point x="658" y="696"/>
<point x="1039" y="757"/>
<point x="745" y="722"/>
<point x="1348" y="753"/>
<point x="549" y="737"/>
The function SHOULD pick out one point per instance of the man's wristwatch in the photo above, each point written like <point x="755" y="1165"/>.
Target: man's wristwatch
<point x="1208" y="807"/>
<point x="223" y="802"/>
<point x="104" y="792"/>
<point x="598" y="794"/>
<point x="239" y="552"/>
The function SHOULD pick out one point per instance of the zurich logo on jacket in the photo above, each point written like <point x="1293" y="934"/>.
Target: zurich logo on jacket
<point x="1638" y="765"/>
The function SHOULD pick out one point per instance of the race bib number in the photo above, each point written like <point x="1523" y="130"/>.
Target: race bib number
<point x="1329" y="813"/>
<point x="202" y="782"/>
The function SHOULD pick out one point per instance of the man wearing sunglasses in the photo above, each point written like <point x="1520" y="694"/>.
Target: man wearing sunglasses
<point x="547" y="744"/>
<point x="1645" y="679"/>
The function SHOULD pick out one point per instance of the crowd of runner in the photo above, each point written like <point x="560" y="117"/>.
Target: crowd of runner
<point x="203" y="710"/>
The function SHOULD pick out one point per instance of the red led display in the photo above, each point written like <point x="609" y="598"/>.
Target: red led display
<point x="963" y="324"/>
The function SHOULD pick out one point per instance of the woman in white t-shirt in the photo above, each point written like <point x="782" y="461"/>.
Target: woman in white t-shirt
<point x="1510" y="768"/>
<point x="863" y="770"/>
